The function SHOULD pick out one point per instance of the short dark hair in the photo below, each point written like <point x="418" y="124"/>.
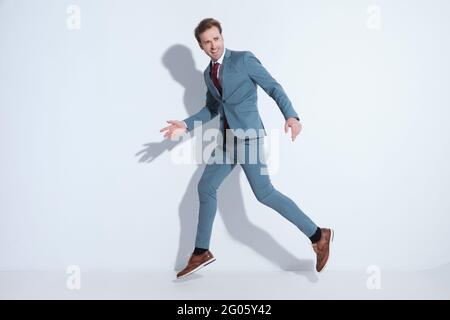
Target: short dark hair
<point x="204" y="25"/>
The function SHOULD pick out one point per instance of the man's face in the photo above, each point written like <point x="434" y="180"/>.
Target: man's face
<point x="211" y="41"/>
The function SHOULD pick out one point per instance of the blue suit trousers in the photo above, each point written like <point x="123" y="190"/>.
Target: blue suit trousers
<point x="222" y="161"/>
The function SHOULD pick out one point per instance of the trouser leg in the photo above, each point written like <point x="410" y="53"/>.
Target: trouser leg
<point x="212" y="177"/>
<point x="265" y="192"/>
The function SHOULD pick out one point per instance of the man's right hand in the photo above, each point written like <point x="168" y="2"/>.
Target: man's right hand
<point x="176" y="128"/>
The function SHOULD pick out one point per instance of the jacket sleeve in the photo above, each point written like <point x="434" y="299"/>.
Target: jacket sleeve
<point x="262" y="77"/>
<point x="207" y="113"/>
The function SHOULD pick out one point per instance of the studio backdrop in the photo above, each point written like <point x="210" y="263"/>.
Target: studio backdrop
<point x="87" y="179"/>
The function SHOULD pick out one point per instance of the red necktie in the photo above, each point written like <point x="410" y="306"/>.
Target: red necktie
<point x="216" y="82"/>
<point x="215" y="77"/>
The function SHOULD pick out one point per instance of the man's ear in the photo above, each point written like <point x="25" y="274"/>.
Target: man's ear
<point x="200" y="45"/>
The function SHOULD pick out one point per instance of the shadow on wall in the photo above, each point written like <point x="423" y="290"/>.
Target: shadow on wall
<point x="179" y="62"/>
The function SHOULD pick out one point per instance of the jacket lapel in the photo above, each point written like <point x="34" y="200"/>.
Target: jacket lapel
<point x="224" y="70"/>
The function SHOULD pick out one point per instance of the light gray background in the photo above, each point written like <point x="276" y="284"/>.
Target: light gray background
<point x="86" y="178"/>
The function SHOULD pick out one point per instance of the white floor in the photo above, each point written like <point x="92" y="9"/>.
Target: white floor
<point x="212" y="284"/>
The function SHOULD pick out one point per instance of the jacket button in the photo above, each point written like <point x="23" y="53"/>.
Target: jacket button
<point x="224" y="101"/>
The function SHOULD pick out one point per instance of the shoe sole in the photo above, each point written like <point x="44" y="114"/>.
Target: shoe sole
<point x="204" y="264"/>
<point x="329" y="250"/>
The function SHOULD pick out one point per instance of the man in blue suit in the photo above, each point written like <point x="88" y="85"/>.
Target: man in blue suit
<point x="231" y="79"/>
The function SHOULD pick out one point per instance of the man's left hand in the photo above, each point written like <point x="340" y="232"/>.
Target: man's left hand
<point x="295" y="126"/>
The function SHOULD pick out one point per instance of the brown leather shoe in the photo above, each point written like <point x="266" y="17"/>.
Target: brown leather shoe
<point x="322" y="248"/>
<point x="196" y="262"/>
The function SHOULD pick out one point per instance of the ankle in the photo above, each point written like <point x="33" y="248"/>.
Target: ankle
<point x="199" y="251"/>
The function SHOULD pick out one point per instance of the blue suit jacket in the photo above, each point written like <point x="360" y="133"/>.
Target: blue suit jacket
<point x="239" y="74"/>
